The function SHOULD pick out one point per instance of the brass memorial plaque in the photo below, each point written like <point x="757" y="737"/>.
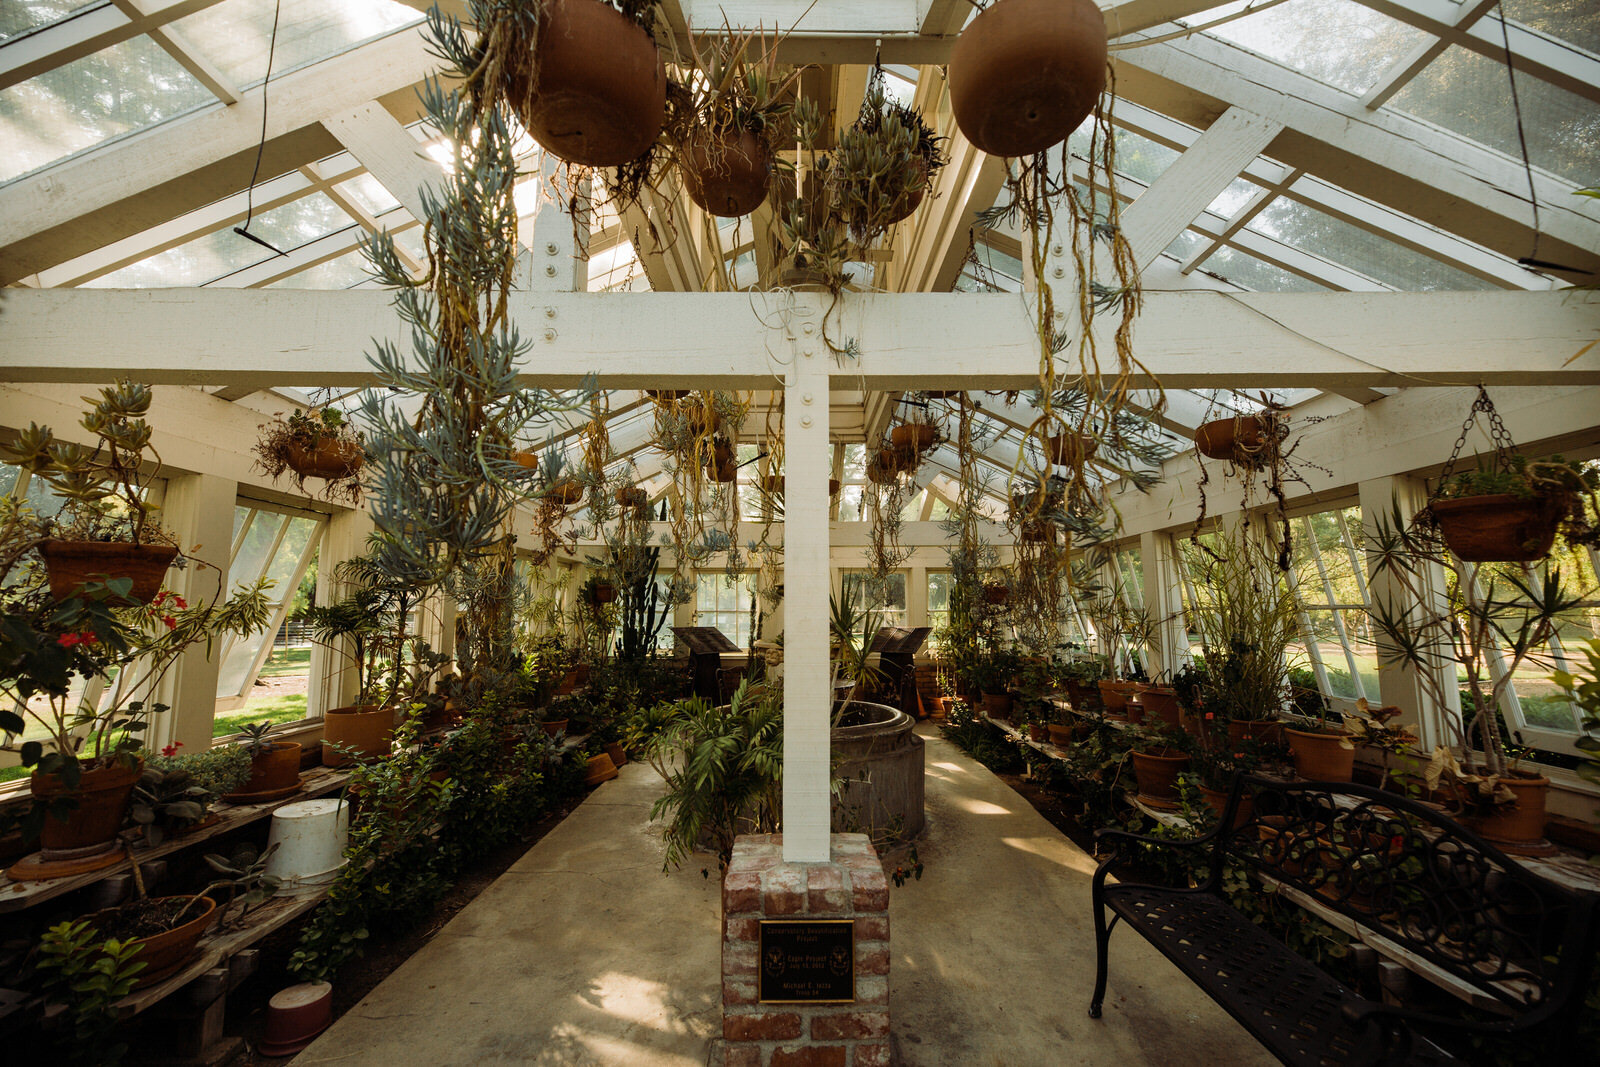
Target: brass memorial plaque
<point x="807" y="961"/>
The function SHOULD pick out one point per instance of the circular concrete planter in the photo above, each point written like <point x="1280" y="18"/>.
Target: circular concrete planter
<point x="879" y="759"/>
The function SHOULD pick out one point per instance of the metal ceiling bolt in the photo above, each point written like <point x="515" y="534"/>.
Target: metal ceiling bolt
<point x="550" y="271"/>
<point x="549" y="335"/>
<point x="1060" y="272"/>
<point x="805" y="420"/>
<point x="809" y="328"/>
<point x="805" y="398"/>
<point x="552" y="249"/>
<point x="1056" y="249"/>
<point x="549" y="313"/>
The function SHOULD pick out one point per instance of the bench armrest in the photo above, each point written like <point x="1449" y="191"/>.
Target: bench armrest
<point x="1209" y="838"/>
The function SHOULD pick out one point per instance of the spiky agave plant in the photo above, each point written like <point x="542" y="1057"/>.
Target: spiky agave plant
<point x="443" y="482"/>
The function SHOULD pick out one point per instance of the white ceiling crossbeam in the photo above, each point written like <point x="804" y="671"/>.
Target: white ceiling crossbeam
<point x="1435" y="176"/>
<point x="84" y="34"/>
<point x="388" y="152"/>
<point x="972" y="341"/>
<point x="188" y="57"/>
<point x="1426" y="51"/>
<point x="105" y="194"/>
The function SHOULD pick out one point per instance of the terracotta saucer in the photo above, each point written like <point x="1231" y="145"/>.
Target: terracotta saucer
<point x="36" y="868"/>
<point x="263" y="797"/>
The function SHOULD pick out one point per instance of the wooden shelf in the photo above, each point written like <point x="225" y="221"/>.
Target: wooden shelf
<point x="15" y="896"/>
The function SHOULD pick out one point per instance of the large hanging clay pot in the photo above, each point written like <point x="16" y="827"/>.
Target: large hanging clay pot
<point x="331" y="458"/>
<point x="728" y="174"/>
<point x="1497" y="527"/>
<point x="599" y="90"/>
<point x="1025" y="73"/>
<point x="71" y="563"/>
<point x="1231" y="438"/>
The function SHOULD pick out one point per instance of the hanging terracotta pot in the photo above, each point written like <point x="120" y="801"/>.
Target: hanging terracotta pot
<point x="1231" y="437"/>
<point x="595" y="92"/>
<point x="834" y="485"/>
<point x="722" y="462"/>
<point x="1322" y="757"/>
<point x="911" y="438"/>
<point x="1497" y="528"/>
<point x="69" y="564"/>
<point x="1037" y="532"/>
<point x="565" y="491"/>
<point x="604" y="593"/>
<point x="632" y="496"/>
<point x="996" y="593"/>
<point x="666" y="395"/>
<point x="1157" y="774"/>
<point x="881" y="473"/>
<point x="911" y="199"/>
<point x="1025" y="73"/>
<point x="1070" y="449"/>
<point x="331" y="457"/>
<point x="772" y="484"/>
<point x="727" y="173"/>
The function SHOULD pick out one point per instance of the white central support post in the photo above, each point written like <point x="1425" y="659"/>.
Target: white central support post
<point x="807" y="692"/>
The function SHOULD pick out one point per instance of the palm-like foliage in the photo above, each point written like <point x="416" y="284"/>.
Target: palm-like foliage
<point x="723" y="768"/>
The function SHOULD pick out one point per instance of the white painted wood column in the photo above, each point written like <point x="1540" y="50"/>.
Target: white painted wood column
<point x="198" y="509"/>
<point x="807" y="698"/>
<point x="332" y="682"/>
<point x="556" y="260"/>
<point x="1397" y="684"/>
<point x="1163" y="599"/>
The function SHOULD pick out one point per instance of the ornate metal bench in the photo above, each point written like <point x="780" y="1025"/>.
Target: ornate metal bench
<point x="1399" y="869"/>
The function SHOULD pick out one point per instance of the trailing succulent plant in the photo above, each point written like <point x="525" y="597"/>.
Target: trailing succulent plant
<point x="884" y="166"/>
<point x="292" y="445"/>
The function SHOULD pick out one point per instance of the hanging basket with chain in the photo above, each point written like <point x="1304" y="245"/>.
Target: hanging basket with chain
<point x="1509" y="509"/>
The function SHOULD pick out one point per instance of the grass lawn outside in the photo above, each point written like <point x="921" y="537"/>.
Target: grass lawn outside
<point x="291" y="707"/>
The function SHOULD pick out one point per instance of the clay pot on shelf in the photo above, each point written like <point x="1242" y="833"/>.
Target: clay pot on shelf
<point x="1518" y="828"/>
<point x="600" y="769"/>
<point x="69" y="564"/>
<point x="90" y="829"/>
<point x="1025" y="73"/>
<point x="166" y="953"/>
<point x="600" y="93"/>
<point x="997" y="705"/>
<point x="727" y="172"/>
<point x="1322" y="757"/>
<point x="274" y="773"/>
<point x="555" y="727"/>
<point x="1039" y="732"/>
<point x="1161" y="705"/>
<point x="1157" y="774"/>
<point x="1269" y="731"/>
<point x="331" y="457"/>
<point x="1231" y="437"/>
<point x="365" y="728"/>
<point x="1217" y="800"/>
<point x="1060" y="735"/>
<point x="1497" y="527"/>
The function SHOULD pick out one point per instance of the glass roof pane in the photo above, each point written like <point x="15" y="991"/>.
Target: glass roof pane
<point x="1241" y="268"/>
<point x="18" y="17"/>
<point x="349" y="269"/>
<point x="1573" y="21"/>
<point x="1470" y="95"/>
<point x="367" y="191"/>
<point x="221" y="253"/>
<point x="1378" y="258"/>
<point x="86" y="102"/>
<point x="1234" y="197"/>
<point x="235" y="35"/>
<point x="1137" y="156"/>
<point x="1336" y="41"/>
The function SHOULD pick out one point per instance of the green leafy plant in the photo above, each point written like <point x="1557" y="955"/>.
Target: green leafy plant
<point x="282" y="444"/>
<point x="244" y="879"/>
<point x="1583" y="689"/>
<point x="88" y="976"/>
<point x="1569" y="489"/>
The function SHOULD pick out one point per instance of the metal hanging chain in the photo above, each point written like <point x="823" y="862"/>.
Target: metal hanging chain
<point x="1504" y="446"/>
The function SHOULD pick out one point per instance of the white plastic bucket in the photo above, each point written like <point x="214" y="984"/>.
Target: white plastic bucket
<point x="310" y="836"/>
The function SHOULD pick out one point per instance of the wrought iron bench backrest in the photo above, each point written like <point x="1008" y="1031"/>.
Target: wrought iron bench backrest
<point x="1417" y="877"/>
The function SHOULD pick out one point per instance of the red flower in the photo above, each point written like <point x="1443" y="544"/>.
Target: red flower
<point x="1210" y="715"/>
<point x="172" y="749"/>
<point x="170" y="621"/>
<point x="178" y="600"/>
<point x="68" y="640"/>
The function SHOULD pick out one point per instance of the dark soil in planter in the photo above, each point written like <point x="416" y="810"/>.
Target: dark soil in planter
<point x="146" y="918"/>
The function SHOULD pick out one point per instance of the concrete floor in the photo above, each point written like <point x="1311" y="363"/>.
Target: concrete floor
<point x="585" y="953"/>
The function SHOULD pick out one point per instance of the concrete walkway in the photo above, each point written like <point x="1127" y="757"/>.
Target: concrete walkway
<point x="585" y="953"/>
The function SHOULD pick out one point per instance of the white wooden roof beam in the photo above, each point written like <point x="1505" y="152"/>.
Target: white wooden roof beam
<point x="84" y="34"/>
<point x="187" y="55"/>
<point x="388" y="151"/>
<point x="108" y="193"/>
<point x="907" y="340"/>
<point x="1435" y="176"/>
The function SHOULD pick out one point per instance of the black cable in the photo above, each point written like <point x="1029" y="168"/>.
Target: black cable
<point x="249" y="193"/>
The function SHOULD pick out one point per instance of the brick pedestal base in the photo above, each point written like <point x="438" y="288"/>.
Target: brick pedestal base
<point x="760" y="885"/>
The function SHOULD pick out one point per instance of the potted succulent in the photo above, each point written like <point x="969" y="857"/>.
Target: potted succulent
<point x="319" y="443"/>
<point x="274" y="766"/>
<point x="175" y="792"/>
<point x="884" y="165"/>
<point x="1512" y="512"/>
<point x="105" y="528"/>
<point x="1485" y="616"/>
<point x="1060" y="44"/>
<point x="741" y="109"/>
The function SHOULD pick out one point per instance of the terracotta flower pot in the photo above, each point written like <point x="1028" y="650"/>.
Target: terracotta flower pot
<point x="1157" y="774"/>
<point x="166" y="953"/>
<point x="331" y="457"/>
<point x="91" y="828"/>
<point x="1025" y="73"/>
<point x="618" y="754"/>
<point x="1496" y="528"/>
<point x="1228" y="438"/>
<point x="1060" y="736"/>
<point x="1268" y="731"/>
<point x="727" y="173"/>
<point x="1161" y="705"/>
<point x="295" y="1016"/>
<point x="1039" y="732"/>
<point x="632" y="496"/>
<point x="996" y="594"/>
<point x="555" y="727"/>
<point x="997" y="705"/>
<point x="911" y="198"/>
<point x="600" y="92"/>
<point x="1069" y="448"/>
<point x="565" y="491"/>
<point x="600" y="769"/>
<point x="1322" y="757"/>
<point x="772" y="484"/>
<point x="277" y="770"/>
<point x="1217" y="800"/>
<point x="604" y="592"/>
<point x="1520" y="827"/>
<point x="69" y="564"/>
<point x="366" y="728"/>
<point x="834" y="485"/>
<point x="667" y="395"/>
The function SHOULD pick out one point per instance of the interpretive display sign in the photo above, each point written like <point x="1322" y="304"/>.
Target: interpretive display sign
<point x="807" y="961"/>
